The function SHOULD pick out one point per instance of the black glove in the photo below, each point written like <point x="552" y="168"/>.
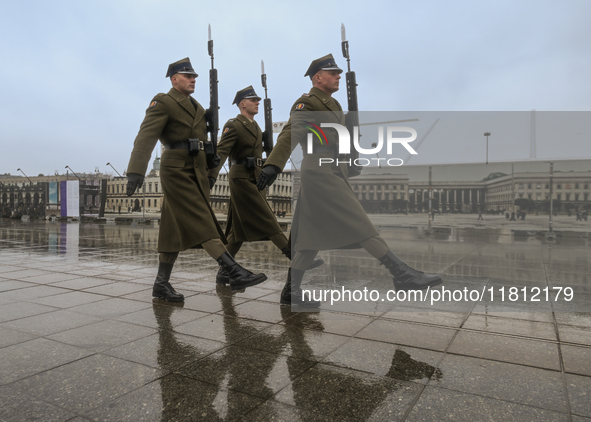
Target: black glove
<point x="134" y="182"/>
<point x="213" y="161"/>
<point x="211" y="182"/>
<point x="267" y="177"/>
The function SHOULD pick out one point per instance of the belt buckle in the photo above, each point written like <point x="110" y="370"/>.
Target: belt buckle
<point x="200" y="145"/>
<point x="259" y="162"/>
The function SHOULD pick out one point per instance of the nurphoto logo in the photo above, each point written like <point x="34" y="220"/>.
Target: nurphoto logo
<point x="385" y="136"/>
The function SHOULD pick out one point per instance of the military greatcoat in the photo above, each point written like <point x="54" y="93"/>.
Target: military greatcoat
<point x="328" y="214"/>
<point x="187" y="219"/>
<point x="250" y="218"/>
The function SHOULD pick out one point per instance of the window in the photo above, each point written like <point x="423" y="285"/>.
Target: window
<point x="576" y="196"/>
<point x="559" y="197"/>
<point x="117" y="188"/>
<point x="559" y="186"/>
<point x="521" y="186"/>
<point x="150" y="188"/>
<point x="529" y="195"/>
<point x="156" y="187"/>
<point x="576" y="186"/>
<point x="539" y="186"/>
<point x="547" y="186"/>
<point x="529" y="185"/>
<point x="568" y="196"/>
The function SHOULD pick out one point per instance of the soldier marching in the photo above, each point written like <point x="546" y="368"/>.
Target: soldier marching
<point x="327" y="216"/>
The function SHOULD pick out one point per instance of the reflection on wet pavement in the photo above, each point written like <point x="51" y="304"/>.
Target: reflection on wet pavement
<point x="82" y="339"/>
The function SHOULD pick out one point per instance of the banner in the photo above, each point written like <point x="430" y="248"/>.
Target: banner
<point x="70" y="198"/>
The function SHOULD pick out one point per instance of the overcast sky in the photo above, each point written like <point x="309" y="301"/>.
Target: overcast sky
<point x="77" y="76"/>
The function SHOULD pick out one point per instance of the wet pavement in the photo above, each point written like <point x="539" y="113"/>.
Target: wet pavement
<point x="82" y="340"/>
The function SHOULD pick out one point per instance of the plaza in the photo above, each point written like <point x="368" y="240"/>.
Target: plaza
<point x="82" y="339"/>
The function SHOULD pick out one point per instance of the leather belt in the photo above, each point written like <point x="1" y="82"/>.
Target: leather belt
<point x="258" y="161"/>
<point x="182" y="145"/>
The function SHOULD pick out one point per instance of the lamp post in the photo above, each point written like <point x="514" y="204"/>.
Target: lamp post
<point x="487" y="134"/>
<point x="68" y="167"/>
<point x="109" y="164"/>
<point x="25" y="175"/>
<point x="430" y="198"/>
<point x="551" y="181"/>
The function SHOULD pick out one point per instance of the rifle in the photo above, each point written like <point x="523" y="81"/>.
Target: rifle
<point x="353" y="114"/>
<point x="268" y="133"/>
<point x="212" y="115"/>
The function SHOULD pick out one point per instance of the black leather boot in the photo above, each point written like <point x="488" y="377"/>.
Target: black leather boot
<point x="239" y="277"/>
<point x="407" y="278"/>
<point x="222" y="277"/>
<point x="162" y="288"/>
<point x="292" y="291"/>
<point x="315" y="264"/>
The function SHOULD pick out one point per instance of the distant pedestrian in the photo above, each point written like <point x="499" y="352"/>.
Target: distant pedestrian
<point x="579" y="216"/>
<point x="480" y="216"/>
<point x="512" y="216"/>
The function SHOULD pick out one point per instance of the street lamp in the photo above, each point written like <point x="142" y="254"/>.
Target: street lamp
<point x="68" y="167"/>
<point x="25" y="175"/>
<point x="487" y="134"/>
<point x="109" y="164"/>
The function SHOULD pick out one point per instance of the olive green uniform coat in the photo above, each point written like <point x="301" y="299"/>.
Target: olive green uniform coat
<point x="187" y="219"/>
<point x="328" y="214"/>
<point x="249" y="218"/>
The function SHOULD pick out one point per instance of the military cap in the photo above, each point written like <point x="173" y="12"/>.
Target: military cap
<point x="323" y="63"/>
<point x="247" y="92"/>
<point x="182" y="66"/>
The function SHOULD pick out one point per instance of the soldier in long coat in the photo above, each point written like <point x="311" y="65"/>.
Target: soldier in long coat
<point x="249" y="218"/>
<point x="328" y="214"/>
<point x="187" y="220"/>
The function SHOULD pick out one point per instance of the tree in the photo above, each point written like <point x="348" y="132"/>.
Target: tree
<point x="556" y="205"/>
<point x="525" y="204"/>
<point x="399" y="205"/>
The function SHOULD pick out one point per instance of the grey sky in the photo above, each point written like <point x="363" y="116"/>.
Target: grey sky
<point x="77" y="76"/>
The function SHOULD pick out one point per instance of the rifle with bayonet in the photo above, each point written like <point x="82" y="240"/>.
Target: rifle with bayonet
<point x="212" y="114"/>
<point x="352" y="117"/>
<point x="268" y="133"/>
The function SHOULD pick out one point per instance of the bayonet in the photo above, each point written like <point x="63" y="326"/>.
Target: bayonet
<point x="212" y="115"/>
<point x="353" y="114"/>
<point x="268" y="133"/>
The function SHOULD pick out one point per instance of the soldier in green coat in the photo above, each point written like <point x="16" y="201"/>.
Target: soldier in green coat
<point x="328" y="214"/>
<point x="187" y="220"/>
<point x="249" y="218"/>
